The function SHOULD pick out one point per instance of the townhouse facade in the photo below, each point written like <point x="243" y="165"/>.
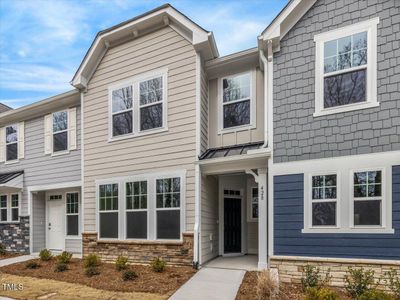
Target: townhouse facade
<point x="289" y="151"/>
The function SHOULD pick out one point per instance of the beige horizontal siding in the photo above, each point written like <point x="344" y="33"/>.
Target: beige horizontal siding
<point x="170" y="150"/>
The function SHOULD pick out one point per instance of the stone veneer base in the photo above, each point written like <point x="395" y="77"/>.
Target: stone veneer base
<point x="15" y="236"/>
<point x="173" y="252"/>
<point x="290" y="268"/>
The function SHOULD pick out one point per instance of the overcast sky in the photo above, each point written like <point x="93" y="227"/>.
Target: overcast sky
<point x="42" y="42"/>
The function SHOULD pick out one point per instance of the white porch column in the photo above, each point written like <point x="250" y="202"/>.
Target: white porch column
<point x="262" y="219"/>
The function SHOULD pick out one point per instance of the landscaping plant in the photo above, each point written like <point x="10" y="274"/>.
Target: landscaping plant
<point x="121" y="263"/>
<point x="64" y="257"/>
<point x="315" y="293"/>
<point x="129" y="275"/>
<point x="267" y="288"/>
<point x="92" y="271"/>
<point x="393" y="282"/>
<point x="158" y="264"/>
<point x="2" y="249"/>
<point x="45" y="255"/>
<point x="375" y="294"/>
<point x="61" y="267"/>
<point x="358" y="281"/>
<point x="32" y="265"/>
<point x="92" y="260"/>
<point x="312" y="278"/>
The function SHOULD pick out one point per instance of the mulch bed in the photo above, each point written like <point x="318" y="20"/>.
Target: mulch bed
<point x="9" y="255"/>
<point x="109" y="278"/>
<point x="248" y="289"/>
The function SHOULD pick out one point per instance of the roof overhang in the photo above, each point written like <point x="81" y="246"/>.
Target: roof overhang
<point x="40" y="108"/>
<point x="12" y="182"/>
<point x="166" y="15"/>
<point x="233" y="63"/>
<point x="284" y="21"/>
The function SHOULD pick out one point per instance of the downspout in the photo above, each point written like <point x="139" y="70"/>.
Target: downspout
<point x="266" y="94"/>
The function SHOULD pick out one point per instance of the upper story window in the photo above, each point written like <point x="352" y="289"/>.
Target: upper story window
<point x="11" y="142"/>
<point x="139" y="106"/>
<point x="236" y="101"/>
<point x="60" y="131"/>
<point x="346" y="68"/>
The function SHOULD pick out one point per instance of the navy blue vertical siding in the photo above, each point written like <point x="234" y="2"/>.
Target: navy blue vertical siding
<point x="288" y="223"/>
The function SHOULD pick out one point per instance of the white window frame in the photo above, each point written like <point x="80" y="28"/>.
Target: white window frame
<point x="136" y="210"/>
<point x="10" y="207"/>
<point x="250" y="217"/>
<point x="72" y="214"/>
<point x="151" y="204"/>
<point x="134" y="82"/>
<point x="6" y="144"/>
<point x="253" y="103"/>
<point x="384" y="213"/>
<point x="61" y="152"/>
<point x="310" y="201"/>
<point x="371" y="79"/>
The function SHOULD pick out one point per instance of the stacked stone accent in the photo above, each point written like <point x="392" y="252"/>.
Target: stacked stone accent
<point x="290" y="269"/>
<point x="15" y="236"/>
<point x="174" y="253"/>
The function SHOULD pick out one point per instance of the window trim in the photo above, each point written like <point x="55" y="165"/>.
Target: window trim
<point x="383" y="198"/>
<point x="151" y="204"/>
<point x="12" y="161"/>
<point x="371" y="85"/>
<point x="61" y="152"/>
<point x="134" y="82"/>
<point x="78" y="236"/>
<point x="9" y="208"/>
<point x="253" y="103"/>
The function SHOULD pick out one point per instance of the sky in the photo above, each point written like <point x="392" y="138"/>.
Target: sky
<point x="42" y="42"/>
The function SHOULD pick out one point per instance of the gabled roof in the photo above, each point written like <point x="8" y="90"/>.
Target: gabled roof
<point x="284" y="21"/>
<point x="4" y="107"/>
<point x="162" y="16"/>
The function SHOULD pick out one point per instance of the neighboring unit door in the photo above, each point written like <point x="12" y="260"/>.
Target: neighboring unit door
<point x="232" y="225"/>
<point x="55" y="225"/>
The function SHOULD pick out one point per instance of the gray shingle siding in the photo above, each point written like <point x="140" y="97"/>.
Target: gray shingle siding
<point x="300" y="136"/>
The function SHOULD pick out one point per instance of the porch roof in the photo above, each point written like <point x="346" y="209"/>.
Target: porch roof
<point x="229" y="150"/>
<point x="12" y="179"/>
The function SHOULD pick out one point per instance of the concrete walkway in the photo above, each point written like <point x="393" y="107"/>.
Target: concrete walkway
<point x="17" y="259"/>
<point x="210" y="284"/>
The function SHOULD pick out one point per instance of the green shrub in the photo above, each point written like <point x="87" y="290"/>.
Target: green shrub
<point x="314" y="293"/>
<point x="393" y="282"/>
<point x="92" y="271"/>
<point x="92" y="260"/>
<point x="45" y="255"/>
<point x="2" y="249"/>
<point x="358" y="281"/>
<point x="158" y="264"/>
<point x="312" y="278"/>
<point x="129" y="275"/>
<point x="375" y="294"/>
<point x="64" y="257"/>
<point x="32" y="265"/>
<point x="121" y="263"/>
<point x="61" y="267"/>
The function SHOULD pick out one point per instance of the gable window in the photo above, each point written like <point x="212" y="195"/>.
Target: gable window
<point x="367" y="193"/>
<point x="3" y="208"/>
<point x="136" y="210"/>
<point x="11" y="142"/>
<point x="323" y="200"/>
<point x="72" y="212"/>
<point x="168" y="200"/>
<point x="122" y="111"/>
<point x="346" y="68"/>
<point x="236" y="101"/>
<point x="139" y="107"/>
<point x="60" y="131"/>
<point x="108" y="211"/>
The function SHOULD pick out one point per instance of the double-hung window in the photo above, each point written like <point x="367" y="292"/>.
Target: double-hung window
<point x="139" y="106"/>
<point x="9" y="208"/>
<point x="14" y="207"/>
<point x="11" y="142"/>
<point x="324" y="200"/>
<point x="3" y="208"/>
<point x="108" y="211"/>
<point x="168" y="202"/>
<point x="367" y="193"/>
<point x="136" y="210"/>
<point x="346" y="68"/>
<point x="253" y="209"/>
<point x="60" y="131"/>
<point x="236" y="101"/>
<point x="72" y="212"/>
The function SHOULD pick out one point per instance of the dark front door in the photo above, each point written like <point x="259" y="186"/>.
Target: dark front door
<point x="232" y="225"/>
